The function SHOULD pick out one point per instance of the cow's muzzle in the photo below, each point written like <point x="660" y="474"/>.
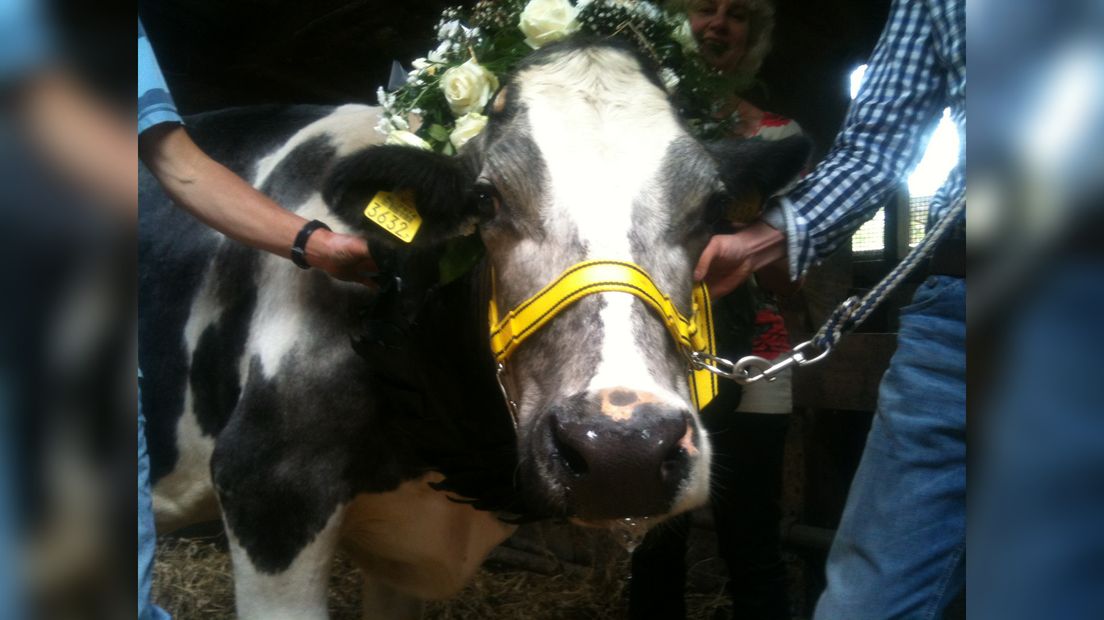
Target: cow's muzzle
<point x="615" y="453"/>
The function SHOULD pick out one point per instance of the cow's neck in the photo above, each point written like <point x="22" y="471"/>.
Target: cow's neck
<point x="429" y="357"/>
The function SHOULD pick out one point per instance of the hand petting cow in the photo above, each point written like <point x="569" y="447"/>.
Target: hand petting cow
<point x="309" y="413"/>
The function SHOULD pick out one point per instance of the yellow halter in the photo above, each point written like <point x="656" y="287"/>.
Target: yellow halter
<point x="693" y="335"/>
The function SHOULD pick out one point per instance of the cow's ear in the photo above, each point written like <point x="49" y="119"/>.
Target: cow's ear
<point x="753" y="170"/>
<point x="439" y="185"/>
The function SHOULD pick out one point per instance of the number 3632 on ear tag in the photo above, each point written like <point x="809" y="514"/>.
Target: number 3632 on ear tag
<point x="395" y="213"/>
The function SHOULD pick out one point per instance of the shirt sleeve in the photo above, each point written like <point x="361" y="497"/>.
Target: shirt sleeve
<point x="25" y="39"/>
<point x="155" y="104"/>
<point x="883" y="138"/>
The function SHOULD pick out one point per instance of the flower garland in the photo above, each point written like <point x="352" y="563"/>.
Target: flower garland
<point x="449" y="88"/>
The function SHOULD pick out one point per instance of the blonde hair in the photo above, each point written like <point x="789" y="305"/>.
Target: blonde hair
<point x="760" y="30"/>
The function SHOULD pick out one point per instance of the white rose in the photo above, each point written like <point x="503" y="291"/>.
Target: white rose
<point x="684" y="36"/>
<point x="545" y="21"/>
<point x="468" y="87"/>
<point x="669" y="78"/>
<point x="468" y="126"/>
<point x="405" y="138"/>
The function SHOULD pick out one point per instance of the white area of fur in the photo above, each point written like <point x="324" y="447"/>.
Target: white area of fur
<point x="349" y="127"/>
<point x="603" y="130"/>
<point x="297" y="593"/>
<point x="186" y="495"/>
<point x="279" y="321"/>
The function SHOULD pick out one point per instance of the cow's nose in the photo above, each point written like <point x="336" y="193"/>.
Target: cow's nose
<point x="620" y="453"/>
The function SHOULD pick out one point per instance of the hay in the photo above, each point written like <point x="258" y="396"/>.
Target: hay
<point x="193" y="580"/>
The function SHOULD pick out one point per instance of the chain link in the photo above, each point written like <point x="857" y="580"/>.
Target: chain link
<point x="845" y="317"/>
<point x="752" y="368"/>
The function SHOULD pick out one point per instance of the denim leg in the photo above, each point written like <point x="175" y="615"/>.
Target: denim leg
<point x="900" y="548"/>
<point x="1037" y="504"/>
<point x="147" y="533"/>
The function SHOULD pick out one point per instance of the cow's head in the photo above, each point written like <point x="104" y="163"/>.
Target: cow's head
<point x="585" y="158"/>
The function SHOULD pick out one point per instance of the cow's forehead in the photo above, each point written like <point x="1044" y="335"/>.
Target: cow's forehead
<point x="603" y="130"/>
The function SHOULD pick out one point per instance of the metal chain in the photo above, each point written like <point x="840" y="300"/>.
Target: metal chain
<point x="847" y="316"/>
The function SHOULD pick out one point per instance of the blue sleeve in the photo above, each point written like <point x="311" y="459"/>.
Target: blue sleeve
<point x="883" y="137"/>
<point x="25" y="42"/>
<point x="155" y="104"/>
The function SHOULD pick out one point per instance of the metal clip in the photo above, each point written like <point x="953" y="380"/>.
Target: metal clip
<point x="510" y="404"/>
<point x="752" y="368"/>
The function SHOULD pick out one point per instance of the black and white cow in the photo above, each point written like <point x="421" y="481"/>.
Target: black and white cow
<point x="309" y="413"/>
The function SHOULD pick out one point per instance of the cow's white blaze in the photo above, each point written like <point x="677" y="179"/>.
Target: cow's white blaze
<point x="603" y="131"/>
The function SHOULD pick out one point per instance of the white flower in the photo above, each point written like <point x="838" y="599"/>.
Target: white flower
<point x="545" y="21"/>
<point x="385" y="99"/>
<point x="685" y="37"/>
<point x="468" y="126"/>
<point x="399" y="123"/>
<point x="437" y="56"/>
<point x="670" y="79"/>
<point x="405" y="138"/>
<point x="468" y="87"/>
<point x="448" y="29"/>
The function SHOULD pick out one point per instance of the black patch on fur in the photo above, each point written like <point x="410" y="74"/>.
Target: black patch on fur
<point x="238" y="137"/>
<point x="764" y="165"/>
<point x="302" y="172"/>
<point x="214" y="376"/>
<point x="690" y="183"/>
<point x="293" y="451"/>
<point x="441" y="185"/>
<point x="174" y="251"/>
<point x="515" y="165"/>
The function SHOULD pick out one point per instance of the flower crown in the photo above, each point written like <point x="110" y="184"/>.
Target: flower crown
<point x="449" y="88"/>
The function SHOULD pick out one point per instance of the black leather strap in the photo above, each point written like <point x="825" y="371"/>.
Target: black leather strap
<point x="299" y="248"/>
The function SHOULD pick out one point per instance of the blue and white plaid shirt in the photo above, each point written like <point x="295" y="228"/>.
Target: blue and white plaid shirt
<point x="918" y="68"/>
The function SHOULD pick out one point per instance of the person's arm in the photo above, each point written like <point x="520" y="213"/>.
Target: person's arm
<point x="218" y="197"/>
<point x="902" y="97"/>
<point x="222" y="200"/>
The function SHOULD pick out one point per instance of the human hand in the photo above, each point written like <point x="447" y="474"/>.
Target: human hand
<point x="730" y="259"/>
<point x="345" y="257"/>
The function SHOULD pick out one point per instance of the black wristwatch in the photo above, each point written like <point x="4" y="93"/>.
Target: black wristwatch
<point x="299" y="248"/>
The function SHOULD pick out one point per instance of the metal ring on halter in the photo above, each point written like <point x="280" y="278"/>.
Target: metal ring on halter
<point x="716" y="365"/>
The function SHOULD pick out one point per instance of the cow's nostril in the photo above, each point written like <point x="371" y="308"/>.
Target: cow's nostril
<point x="673" y="467"/>
<point x="572" y="459"/>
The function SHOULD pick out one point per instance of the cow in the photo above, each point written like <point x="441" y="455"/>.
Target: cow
<point x="309" y="413"/>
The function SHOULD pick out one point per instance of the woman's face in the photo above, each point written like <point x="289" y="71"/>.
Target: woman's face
<point x="721" y="29"/>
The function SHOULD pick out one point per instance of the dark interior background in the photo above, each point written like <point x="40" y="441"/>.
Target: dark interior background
<point x="218" y="54"/>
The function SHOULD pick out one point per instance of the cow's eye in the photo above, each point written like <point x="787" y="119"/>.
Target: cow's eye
<point x="487" y="201"/>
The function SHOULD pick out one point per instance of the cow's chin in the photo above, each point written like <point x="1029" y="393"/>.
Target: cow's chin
<point x="628" y="531"/>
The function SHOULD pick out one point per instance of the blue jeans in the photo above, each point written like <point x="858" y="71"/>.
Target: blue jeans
<point x="1037" y="498"/>
<point x="147" y="533"/>
<point x="900" y="548"/>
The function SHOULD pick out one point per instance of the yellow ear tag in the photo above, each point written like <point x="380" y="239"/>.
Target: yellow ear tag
<point x="395" y="213"/>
